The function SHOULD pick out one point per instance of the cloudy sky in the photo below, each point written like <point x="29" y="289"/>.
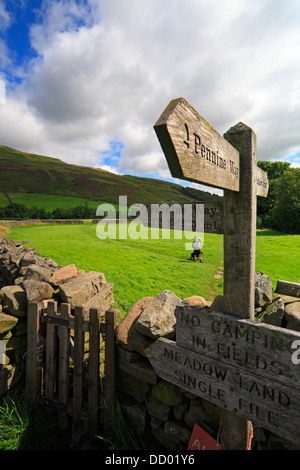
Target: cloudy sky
<point x="85" y="80"/>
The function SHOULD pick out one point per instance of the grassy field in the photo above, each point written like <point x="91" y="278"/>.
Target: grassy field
<point x="278" y="255"/>
<point x="138" y="268"/>
<point x="145" y="267"/>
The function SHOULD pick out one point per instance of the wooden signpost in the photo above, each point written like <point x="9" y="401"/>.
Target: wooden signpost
<point x="240" y="365"/>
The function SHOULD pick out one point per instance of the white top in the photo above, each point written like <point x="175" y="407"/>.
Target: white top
<point x="197" y="244"/>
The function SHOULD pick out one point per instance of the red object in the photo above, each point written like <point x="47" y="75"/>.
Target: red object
<point x="200" y="440"/>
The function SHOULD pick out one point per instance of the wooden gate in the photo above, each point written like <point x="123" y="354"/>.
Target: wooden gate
<point x="70" y="364"/>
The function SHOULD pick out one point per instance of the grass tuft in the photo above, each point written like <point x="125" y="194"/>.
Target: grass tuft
<point x="124" y="437"/>
<point x="21" y="426"/>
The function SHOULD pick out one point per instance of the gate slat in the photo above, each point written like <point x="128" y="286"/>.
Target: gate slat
<point x="78" y="372"/>
<point x="109" y="367"/>
<point x="35" y="345"/>
<point x="50" y="363"/>
<point x="64" y="362"/>
<point x="93" y="370"/>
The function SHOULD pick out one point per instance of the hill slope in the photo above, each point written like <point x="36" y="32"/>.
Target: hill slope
<point x="35" y="174"/>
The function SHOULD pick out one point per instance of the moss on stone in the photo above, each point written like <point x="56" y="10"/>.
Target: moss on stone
<point x="167" y="393"/>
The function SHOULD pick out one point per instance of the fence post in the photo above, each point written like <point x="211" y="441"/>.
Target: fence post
<point x="34" y="355"/>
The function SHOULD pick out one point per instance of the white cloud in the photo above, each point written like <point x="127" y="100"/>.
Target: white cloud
<point x="111" y="169"/>
<point x="5" y="22"/>
<point x="5" y="17"/>
<point x="106" y="70"/>
<point x="202" y="187"/>
<point x="294" y="160"/>
<point x="18" y="119"/>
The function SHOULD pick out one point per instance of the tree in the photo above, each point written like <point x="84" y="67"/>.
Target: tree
<point x="60" y="213"/>
<point x="38" y="213"/>
<point x="285" y="214"/>
<point x="265" y="204"/>
<point x="80" y="212"/>
<point x="15" y="211"/>
<point x="274" y="169"/>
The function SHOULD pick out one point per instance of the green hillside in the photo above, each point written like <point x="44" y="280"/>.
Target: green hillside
<point x="31" y="179"/>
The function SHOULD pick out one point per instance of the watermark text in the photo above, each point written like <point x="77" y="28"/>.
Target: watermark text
<point x="139" y="221"/>
<point x="296" y="354"/>
<point x="2" y="352"/>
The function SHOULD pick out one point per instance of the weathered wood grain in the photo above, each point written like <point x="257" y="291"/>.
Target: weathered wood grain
<point x="261" y="349"/>
<point x="267" y="404"/>
<point x="63" y="374"/>
<point x="240" y="228"/>
<point x="194" y="150"/>
<point x="262" y="183"/>
<point x="110" y="365"/>
<point x="78" y="372"/>
<point x="93" y="398"/>
<point x="50" y="362"/>
<point x="35" y="351"/>
<point x="288" y="288"/>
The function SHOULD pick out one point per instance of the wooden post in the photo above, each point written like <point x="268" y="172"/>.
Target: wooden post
<point x="240" y="228"/>
<point x="239" y="259"/>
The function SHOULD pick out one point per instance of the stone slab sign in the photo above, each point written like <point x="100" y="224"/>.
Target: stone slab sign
<point x="173" y="216"/>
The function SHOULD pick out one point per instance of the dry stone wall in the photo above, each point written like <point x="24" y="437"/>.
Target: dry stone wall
<point x="157" y="408"/>
<point x="25" y="276"/>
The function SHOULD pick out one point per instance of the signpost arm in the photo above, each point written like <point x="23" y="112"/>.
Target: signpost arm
<point x="239" y="259"/>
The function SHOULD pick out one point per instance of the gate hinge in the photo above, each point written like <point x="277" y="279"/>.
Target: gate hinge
<point x="56" y="320"/>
